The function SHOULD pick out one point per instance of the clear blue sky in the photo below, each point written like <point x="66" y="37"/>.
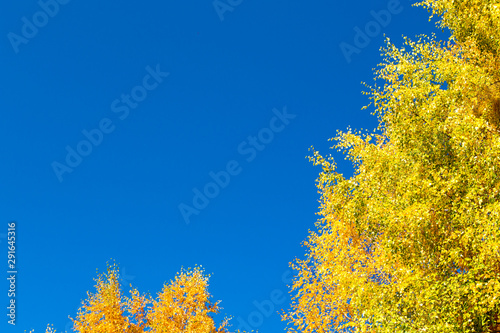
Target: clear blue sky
<point x="92" y="65"/>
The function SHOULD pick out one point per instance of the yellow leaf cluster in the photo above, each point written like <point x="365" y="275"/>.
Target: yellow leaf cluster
<point x="411" y="242"/>
<point x="182" y="306"/>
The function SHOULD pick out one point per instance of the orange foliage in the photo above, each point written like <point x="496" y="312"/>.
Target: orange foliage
<point x="183" y="306"/>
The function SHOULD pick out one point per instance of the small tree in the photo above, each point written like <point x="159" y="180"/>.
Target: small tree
<point x="183" y="306"/>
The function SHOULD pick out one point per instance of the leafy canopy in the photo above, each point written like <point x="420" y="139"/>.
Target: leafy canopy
<point x="183" y="306"/>
<point x="411" y="242"/>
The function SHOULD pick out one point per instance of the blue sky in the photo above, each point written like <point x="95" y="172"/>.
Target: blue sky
<point x="158" y="99"/>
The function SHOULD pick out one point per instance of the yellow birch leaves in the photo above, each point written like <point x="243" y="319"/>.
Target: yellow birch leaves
<point x="411" y="243"/>
<point x="183" y="306"/>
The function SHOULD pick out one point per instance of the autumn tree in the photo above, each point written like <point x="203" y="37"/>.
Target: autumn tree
<point x="182" y="306"/>
<point x="411" y="242"/>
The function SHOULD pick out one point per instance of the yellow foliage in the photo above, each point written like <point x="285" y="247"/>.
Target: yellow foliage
<point x="183" y="306"/>
<point x="411" y="243"/>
